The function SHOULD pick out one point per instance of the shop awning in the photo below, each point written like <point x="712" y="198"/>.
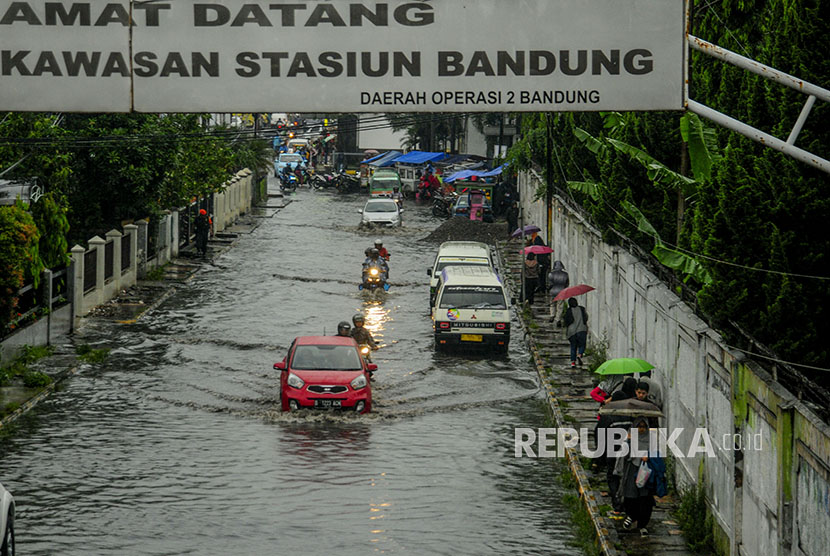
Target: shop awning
<point x="419" y="157"/>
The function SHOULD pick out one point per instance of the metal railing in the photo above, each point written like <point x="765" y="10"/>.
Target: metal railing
<point x="90" y="270"/>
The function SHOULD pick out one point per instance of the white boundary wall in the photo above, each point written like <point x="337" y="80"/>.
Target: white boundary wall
<point x="772" y="501"/>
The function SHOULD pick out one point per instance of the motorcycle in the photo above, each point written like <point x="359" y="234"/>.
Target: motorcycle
<point x="319" y="181"/>
<point x="442" y="205"/>
<point x="366" y="353"/>
<point x="288" y="181"/>
<point x="374" y="277"/>
<point x="346" y="183"/>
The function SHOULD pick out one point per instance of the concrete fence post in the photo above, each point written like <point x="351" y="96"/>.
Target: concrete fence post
<point x="77" y="280"/>
<point x="132" y="273"/>
<point x="99" y="244"/>
<point x="174" y="233"/>
<point x="46" y="301"/>
<point x="164" y="238"/>
<point x="142" y="254"/>
<point x="115" y="237"/>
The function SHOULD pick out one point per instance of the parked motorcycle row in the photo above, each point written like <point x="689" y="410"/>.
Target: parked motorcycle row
<point x="341" y="181"/>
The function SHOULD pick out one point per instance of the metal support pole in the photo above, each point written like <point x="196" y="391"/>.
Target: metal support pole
<point x="759" y="136"/>
<point x="799" y="124"/>
<point x="549" y="185"/>
<point x="755" y="67"/>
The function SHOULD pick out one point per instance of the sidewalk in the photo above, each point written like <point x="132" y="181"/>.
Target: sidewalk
<point x="127" y="308"/>
<point x="568" y="396"/>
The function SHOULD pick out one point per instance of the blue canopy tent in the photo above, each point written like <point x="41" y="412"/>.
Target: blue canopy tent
<point x="419" y="157"/>
<point x="464" y="174"/>
<point x="386" y="159"/>
<point x="370" y="160"/>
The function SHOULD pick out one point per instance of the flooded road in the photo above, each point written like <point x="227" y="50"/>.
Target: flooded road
<point x="176" y="445"/>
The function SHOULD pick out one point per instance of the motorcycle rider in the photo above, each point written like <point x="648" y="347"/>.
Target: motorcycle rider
<point x="376" y="259"/>
<point x="344" y="329"/>
<point x="397" y="196"/>
<point x="361" y="334"/>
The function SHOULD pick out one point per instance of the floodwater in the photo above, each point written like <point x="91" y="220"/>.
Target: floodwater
<point x="176" y="445"/>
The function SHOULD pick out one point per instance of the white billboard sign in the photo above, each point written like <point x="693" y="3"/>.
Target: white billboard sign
<point x="341" y="55"/>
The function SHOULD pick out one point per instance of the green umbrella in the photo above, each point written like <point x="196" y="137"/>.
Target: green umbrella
<point x="624" y="366"/>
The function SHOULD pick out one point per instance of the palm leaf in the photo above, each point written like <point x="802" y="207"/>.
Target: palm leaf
<point x="657" y="171"/>
<point x="702" y="143"/>
<point x="590" y="188"/>
<point x="681" y="262"/>
<point x="642" y="223"/>
<point x="596" y="146"/>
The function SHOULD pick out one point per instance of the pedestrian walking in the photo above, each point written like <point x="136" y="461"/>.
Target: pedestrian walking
<point x="544" y="262"/>
<point x="512" y="218"/>
<point x="558" y="280"/>
<point x="638" y="499"/>
<point x="202" y="225"/>
<point x="605" y="423"/>
<point x="531" y="277"/>
<point x="576" y="320"/>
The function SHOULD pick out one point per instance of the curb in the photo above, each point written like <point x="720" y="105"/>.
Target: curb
<point x="604" y="541"/>
<point x="40" y="396"/>
<point x="26" y="406"/>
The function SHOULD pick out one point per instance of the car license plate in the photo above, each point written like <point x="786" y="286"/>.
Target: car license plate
<point x="326" y="403"/>
<point x="471" y="338"/>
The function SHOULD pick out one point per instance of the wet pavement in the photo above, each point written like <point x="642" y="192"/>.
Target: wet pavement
<point x="176" y="445"/>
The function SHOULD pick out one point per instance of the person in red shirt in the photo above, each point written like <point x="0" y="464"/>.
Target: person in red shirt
<point x="382" y="251"/>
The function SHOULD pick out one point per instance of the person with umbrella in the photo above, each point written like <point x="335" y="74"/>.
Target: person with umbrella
<point x="576" y="321"/>
<point x="544" y="261"/>
<point x="558" y="280"/>
<point x="531" y="277"/>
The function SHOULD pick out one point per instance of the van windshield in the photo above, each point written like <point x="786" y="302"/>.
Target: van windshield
<point x="473" y="297"/>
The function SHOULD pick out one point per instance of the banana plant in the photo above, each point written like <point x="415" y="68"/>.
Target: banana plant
<point x="703" y="155"/>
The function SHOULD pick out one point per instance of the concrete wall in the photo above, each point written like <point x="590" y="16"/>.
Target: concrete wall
<point x="770" y="492"/>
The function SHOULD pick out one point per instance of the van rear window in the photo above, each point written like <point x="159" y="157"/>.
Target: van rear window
<point x="473" y="297"/>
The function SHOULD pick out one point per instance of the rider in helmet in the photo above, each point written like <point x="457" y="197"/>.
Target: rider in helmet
<point x="381" y="249"/>
<point x="344" y="329"/>
<point x="374" y="258"/>
<point x="360" y="333"/>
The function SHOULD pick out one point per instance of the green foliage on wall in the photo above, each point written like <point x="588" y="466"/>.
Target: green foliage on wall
<point x="750" y="218"/>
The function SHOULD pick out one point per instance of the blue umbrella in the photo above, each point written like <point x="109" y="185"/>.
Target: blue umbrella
<point x="526" y="231"/>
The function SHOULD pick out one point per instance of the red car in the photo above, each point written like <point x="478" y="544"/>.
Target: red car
<point x="325" y="372"/>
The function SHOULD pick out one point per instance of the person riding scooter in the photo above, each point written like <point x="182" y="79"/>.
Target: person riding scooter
<point x="375" y="272"/>
<point x="360" y="333"/>
<point x="344" y="329"/>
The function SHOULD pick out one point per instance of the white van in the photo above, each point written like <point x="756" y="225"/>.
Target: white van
<point x="471" y="309"/>
<point x="457" y="253"/>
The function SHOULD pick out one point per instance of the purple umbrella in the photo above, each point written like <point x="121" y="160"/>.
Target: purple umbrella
<point x="529" y="229"/>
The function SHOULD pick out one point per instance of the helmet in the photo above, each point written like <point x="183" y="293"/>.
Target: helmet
<point x="374" y="252"/>
<point x="343" y="328"/>
<point x="358" y="318"/>
<point x="367" y="251"/>
<point x="378" y="242"/>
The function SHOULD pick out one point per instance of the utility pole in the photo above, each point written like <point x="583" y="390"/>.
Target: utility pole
<point x="549" y="177"/>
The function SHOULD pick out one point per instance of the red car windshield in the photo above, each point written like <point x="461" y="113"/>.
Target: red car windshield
<point x="326" y="358"/>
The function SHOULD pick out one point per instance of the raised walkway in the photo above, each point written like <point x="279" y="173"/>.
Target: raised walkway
<point x="568" y="395"/>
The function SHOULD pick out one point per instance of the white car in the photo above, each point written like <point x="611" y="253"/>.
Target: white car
<point x="6" y="522"/>
<point x="381" y="212"/>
